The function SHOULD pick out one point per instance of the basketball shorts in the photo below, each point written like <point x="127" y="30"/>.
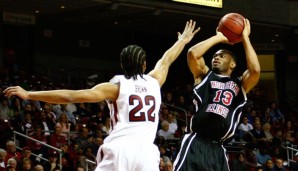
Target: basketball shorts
<point x="128" y="156"/>
<point x="197" y="154"/>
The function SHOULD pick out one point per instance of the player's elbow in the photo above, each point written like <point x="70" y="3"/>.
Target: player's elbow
<point x="256" y="71"/>
<point x="190" y="53"/>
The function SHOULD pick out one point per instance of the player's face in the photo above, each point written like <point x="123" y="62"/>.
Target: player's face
<point x="221" y="62"/>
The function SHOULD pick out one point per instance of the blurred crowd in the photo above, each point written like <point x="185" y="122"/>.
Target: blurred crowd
<point x="78" y="130"/>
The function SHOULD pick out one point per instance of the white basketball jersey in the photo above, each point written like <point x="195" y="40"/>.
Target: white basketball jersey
<point x="135" y="113"/>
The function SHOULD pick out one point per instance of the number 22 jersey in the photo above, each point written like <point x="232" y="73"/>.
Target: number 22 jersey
<point x="135" y="112"/>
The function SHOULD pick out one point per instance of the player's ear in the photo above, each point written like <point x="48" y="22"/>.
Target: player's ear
<point x="233" y="64"/>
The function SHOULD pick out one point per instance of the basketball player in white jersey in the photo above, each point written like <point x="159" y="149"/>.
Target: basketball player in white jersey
<point x="134" y="100"/>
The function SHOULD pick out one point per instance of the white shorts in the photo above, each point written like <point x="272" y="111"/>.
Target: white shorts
<point x="128" y="156"/>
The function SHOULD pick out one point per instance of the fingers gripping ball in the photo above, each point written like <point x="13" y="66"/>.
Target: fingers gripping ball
<point x="231" y="25"/>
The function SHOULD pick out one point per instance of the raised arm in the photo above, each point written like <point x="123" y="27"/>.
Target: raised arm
<point x="251" y="76"/>
<point x="100" y="92"/>
<point x="161" y="68"/>
<point x="195" y="60"/>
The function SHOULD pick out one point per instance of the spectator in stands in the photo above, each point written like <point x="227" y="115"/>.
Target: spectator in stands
<point x="66" y="126"/>
<point x="27" y="123"/>
<point x="2" y="159"/>
<point x="277" y="153"/>
<point x="71" y="108"/>
<point x="181" y="131"/>
<point x="262" y="156"/>
<point x="67" y="162"/>
<point x="99" y="133"/>
<point x="164" y="132"/>
<point x="278" y="138"/>
<point x="239" y="163"/>
<point x="36" y="146"/>
<point x="84" y="139"/>
<point x="12" y="152"/>
<point x="168" y="99"/>
<point x="106" y="127"/>
<point x="172" y="125"/>
<point x="267" y="118"/>
<point x="168" y="165"/>
<point x="12" y="165"/>
<point x="244" y="128"/>
<point x="26" y="164"/>
<point x="87" y="155"/>
<point x="17" y="108"/>
<point x="287" y="141"/>
<point x="98" y="141"/>
<point x="278" y="117"/>
<point x="289" y="127"/>
<point x="47" y="107"/>
<point x="163" y="115"/>
<point x="38" y="167"/>
<point x="96" y="120"/>
<point x="258" y="135"/>
<point x="52" y="162"/>
<point x="57" y="139"/>
<point x="5" y="112"/>
<point x="45" y="123"/>
<point x="294" y="163"/>
<point x="181" y="103"/>
<point x="82" y="110"/>
<point x="26" y="153"/>
<point x="164" y="153"/>
<point x="268" y="165"/>
<point x="250" y="113"/>
<point x="61" y="108"/>
<point x="267" y="130"/>
<point x="278" y="166"/>
<point x="161" y="164"/>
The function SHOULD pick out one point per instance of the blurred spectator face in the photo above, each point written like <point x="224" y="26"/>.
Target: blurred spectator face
<point x="58" y="130"/>
<point x="12" y="163"/>
<point x="170" y="118"/>
<point x="258" y="125"/>
<point x="98" y="141"/>
<point x="245" y="120"/>
<point x="43" y="115"/>
<point x="165" y="127"/>
<point x="26" y="153"/>
<point x="241" y="157"/>
<point x="168" y="166"/>
<point x="38" y="168"/>
<point x="161" y="164"/>
<point x="269" y="164"/>
<point x="26" y="165"/>
<point x="28" y="107"/>
<point x="63" y="118"/>
<point x="2" y="155"/>
<point x="85" y="132"/>
<point x="279" y="163"/>
<point x="11" y="147"/>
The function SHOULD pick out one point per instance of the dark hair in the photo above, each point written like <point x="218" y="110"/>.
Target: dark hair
<point x="230" y="53"/>
<point x="132" y="59"/>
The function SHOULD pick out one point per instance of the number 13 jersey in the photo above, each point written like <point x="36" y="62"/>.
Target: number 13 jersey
<point x="218" y="106"/>
<point x="135" y="113"/>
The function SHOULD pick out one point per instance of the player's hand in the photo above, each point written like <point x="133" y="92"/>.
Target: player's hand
<point x="223" y="38"/>
<point x="189" y="31"/>
<point x="16" y="91"/>
<point x="246" y="30"/>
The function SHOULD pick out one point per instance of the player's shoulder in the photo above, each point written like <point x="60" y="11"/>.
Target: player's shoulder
<point x="116" y="79"/>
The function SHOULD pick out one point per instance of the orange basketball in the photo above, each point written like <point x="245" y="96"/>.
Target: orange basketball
<point x="231" y="25"/>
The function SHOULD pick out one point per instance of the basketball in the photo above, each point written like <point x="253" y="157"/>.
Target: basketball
<point x="231" y="25"/>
